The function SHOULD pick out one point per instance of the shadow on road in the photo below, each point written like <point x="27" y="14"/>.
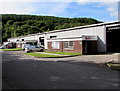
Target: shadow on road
<point x="19" y="73"/>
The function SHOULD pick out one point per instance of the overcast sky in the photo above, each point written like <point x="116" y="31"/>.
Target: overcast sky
<point x="106" y="11"/>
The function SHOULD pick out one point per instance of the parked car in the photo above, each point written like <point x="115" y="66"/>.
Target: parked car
<point x="2" y="47"/>
<point x="33" y="48"/>
<point x="25" y="45"/>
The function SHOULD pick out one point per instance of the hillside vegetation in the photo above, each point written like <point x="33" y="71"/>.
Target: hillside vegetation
<point x="17" y="25"/>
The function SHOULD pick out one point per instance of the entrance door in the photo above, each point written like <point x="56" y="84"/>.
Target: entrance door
<point x="89" y="47"/>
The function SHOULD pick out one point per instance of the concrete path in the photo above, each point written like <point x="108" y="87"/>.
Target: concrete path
<point x="98" y="58"/>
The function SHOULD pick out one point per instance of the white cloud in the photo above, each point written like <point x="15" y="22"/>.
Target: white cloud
<point x="22" y="6"/>
<point x="16" y="8"/>
<point x="88" y="1"/>
<point x="36" y="0"/>
<point x="111" y="7"/>
<point x="58" y="0"/>
<point x="42" y="8"/>
<point x="59" y="8"/>
<point x="113" y="11"/>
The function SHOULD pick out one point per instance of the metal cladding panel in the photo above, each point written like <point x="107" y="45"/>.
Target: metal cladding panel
<point x="89" y="38"/>
<point x="113" y="25"/>
<point x="78" y="32"/>
<point x="13" y="39"/>
<point x="36" y="37"/>
<point x="28" y="38"/>
<point x="40" y="35"/>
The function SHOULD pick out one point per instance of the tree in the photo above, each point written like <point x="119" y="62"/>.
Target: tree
<point x="34" y="29"/>
<point x="10" y="22"/>
<point x="17" y="25"/>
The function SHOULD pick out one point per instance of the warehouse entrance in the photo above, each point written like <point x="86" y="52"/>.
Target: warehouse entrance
<point x="113" y="39"/>
<point x="41" y="40"/>
<point x="89" y="47"/>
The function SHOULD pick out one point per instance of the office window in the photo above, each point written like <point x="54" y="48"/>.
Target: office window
<point x="53" y="37"/>
<point x="22" y="39"/>
<point x="68" y="45"/>
<point x="55" y="45"/>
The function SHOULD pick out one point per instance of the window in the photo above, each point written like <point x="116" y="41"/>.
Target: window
<point x="22" y="39"/>
<point x="41" y="40"/>
<point x="68" y="44"/>
<point x="55" y="45"/>
<point x="53" y="36"/>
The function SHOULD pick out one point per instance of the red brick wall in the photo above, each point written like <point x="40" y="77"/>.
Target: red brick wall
<point x="77" y="47"/>
<point x="55" y="50"/>
<point x="18" y="44"/>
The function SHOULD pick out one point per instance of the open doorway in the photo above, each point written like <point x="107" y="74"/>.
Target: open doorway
<point x="41" y="40"/>
<point x="89" y="47"/>
<point x="113" y="39"/>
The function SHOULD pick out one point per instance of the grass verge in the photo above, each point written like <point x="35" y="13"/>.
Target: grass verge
<point x="64" y="53"/>
<point x="15" y="49"/>
<point x="42" y="55"/>
<point x="113" y="65"/>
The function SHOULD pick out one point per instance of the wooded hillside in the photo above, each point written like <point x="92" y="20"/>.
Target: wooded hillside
<point x="17" y="25"/>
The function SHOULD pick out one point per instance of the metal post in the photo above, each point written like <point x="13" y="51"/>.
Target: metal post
<point x="105" y="38"/>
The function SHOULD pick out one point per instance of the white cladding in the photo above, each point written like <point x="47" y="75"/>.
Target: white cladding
<point x="91" y="31"/>
<point x="30" y="37"/>
<point x="13" y="39"/>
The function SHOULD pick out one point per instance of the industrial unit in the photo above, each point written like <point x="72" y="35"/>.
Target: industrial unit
<point x="89" y="39"/>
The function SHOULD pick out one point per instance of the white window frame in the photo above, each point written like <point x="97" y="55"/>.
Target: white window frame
<point x="55" y="45"/>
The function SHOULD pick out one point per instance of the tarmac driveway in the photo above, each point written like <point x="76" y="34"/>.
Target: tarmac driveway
<point x="98" y="59"/>
<point x="26" y="72"/>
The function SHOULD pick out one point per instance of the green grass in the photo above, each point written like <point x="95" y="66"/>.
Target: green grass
<point x="113" y="65"/>
<point x="42" y="55"/>
<point x="64" y="53"/>
<point x="15" y="49"/>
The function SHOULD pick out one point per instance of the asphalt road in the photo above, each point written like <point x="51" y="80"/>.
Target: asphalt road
<point x="20" y="73"/>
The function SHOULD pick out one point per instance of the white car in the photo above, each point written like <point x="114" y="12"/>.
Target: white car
<point x="25" y="45"/>
<point x="2" y="47"/>
<point x="33" y="48"/>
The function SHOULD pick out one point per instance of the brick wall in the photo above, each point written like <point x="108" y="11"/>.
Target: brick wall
<point x="55" y="50"/>
<point x="77" y="47"/>
<point x="17" y="45"/>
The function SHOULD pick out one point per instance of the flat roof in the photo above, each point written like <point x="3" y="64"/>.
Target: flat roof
<point x="68" y="29"/>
